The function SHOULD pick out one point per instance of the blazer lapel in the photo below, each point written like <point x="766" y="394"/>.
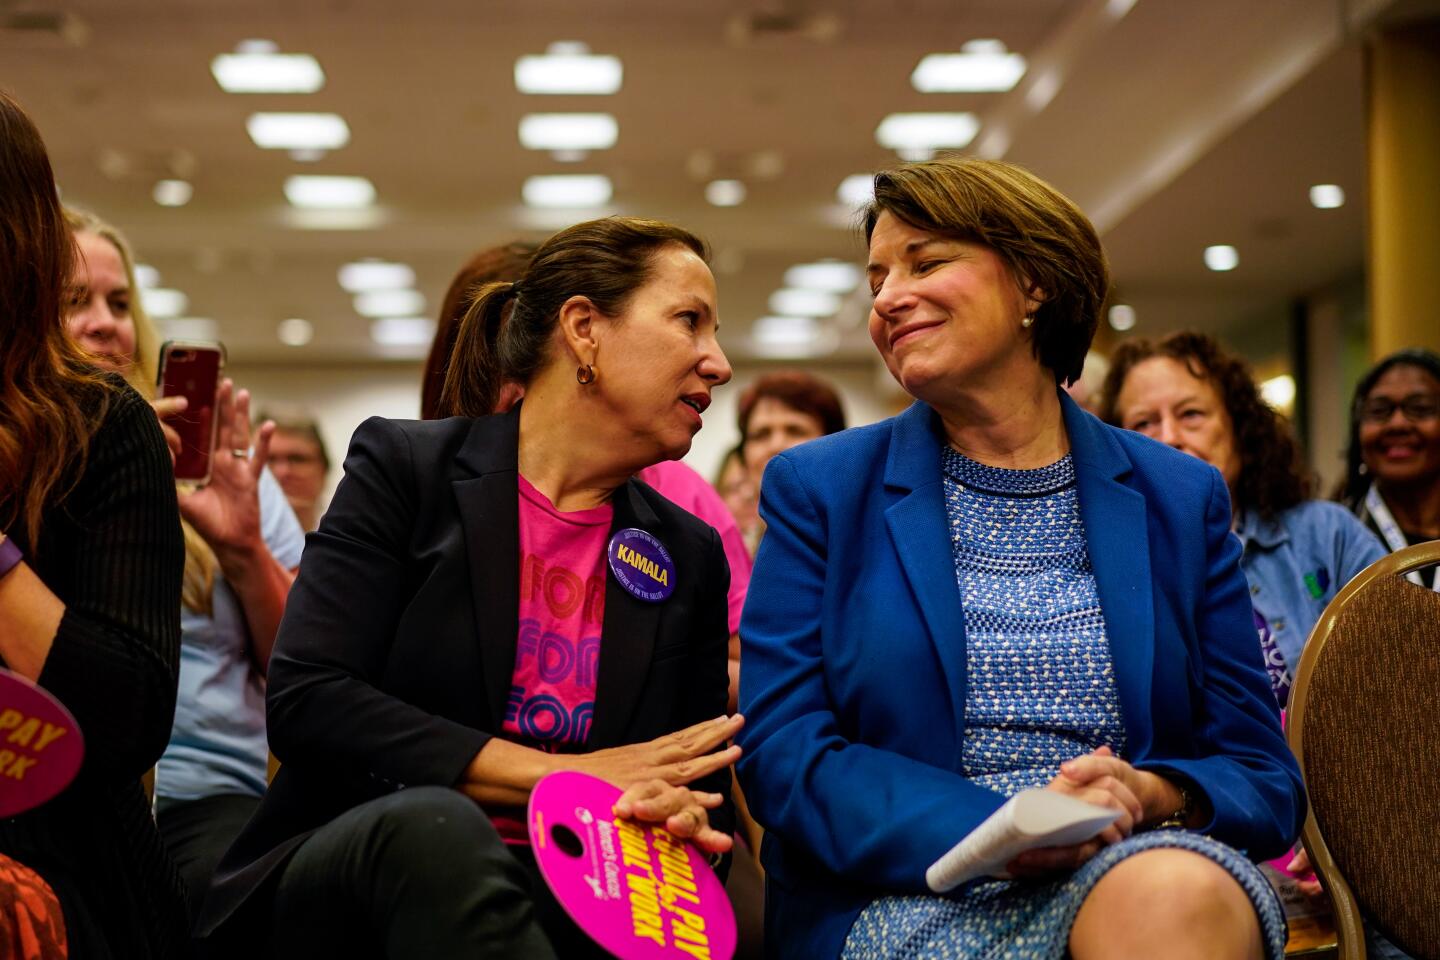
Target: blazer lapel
<point x="1116" y="532"/>
<point x="628" y="635"/>
<point x="919" y="532"/>
<point x="489" y="508"/>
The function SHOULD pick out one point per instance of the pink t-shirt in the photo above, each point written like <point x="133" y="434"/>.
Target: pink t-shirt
<point x="685" y="488"/>
<point x="562" y="610"/>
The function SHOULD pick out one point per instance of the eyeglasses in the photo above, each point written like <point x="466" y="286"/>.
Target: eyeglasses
<point x="1416" y="409"/>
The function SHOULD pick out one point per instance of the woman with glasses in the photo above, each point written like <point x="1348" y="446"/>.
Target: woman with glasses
<point x="1393" y="480"/>
<point x="1188" y="391"/>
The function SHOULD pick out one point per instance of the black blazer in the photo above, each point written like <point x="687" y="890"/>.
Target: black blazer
<point x="393" y="664"/>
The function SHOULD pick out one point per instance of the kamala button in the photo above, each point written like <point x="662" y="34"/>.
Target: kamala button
<point x="642" y="565"/>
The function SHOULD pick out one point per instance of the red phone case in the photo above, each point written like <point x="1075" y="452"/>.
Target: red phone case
<point x="192" y="370"/>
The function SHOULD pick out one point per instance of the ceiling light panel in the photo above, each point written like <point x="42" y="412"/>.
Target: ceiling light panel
<point x="830" y="276"/>
<point x="568" y="69"/>
<point x="146" y="275"/>
<point x="1221" y="258"/>
<point x="162" y="303"/>
<point x="403" y="331"/>
<point x="792" y="337"/>
<point x="298" y="131"/>
<point x="295" y="332"/>
<point x="571" y="191"/>
<point x="856" y="190"/>
<point x="1327" y="196"/>
<point x="267" y="73"/>
<point x="366" y="275"/>
<point x="390" y="303"/>
<point x="911" y="132"/>
<point x="792" y="302"/>
<point x="568" y="131"/>
<point x="331" y="193"/>
<point x="982" y="66"/>
<point x="725" y="193"/>
<point x="173" y="193"/>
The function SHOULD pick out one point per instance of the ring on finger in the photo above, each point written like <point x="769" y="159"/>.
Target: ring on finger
<point x="240" y="453"/>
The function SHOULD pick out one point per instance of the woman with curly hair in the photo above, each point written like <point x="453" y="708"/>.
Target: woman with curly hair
<point x="1188" y="391"/>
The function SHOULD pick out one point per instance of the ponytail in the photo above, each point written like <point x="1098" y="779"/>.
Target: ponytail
<point x="472" y="378"/>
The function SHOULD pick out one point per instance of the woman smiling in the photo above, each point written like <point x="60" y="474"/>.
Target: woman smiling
<point x="995" y="591"/>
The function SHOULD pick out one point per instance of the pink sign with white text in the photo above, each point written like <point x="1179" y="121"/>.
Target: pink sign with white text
<point x="638" y="891"/>
<point x="40" y="745"/>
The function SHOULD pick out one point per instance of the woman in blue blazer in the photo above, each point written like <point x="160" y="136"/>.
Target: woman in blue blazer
<point x="1100" y="643"/>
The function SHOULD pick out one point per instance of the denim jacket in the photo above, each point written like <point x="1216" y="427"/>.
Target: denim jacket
<point x="1297" y="562"/>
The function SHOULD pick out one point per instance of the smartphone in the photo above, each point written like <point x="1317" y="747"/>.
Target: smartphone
<point x="191" y="369"/>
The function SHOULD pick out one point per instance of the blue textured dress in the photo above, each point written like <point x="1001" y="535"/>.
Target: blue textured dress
<point x="1040" y="690"/>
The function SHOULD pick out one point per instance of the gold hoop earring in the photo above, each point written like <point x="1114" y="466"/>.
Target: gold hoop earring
<point x="585" y="373"/>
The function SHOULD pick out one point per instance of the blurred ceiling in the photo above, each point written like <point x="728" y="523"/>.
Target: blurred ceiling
<point x="1175" y="124"/>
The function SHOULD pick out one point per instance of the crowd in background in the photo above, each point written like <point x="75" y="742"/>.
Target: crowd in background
<point x="160" y="618"/>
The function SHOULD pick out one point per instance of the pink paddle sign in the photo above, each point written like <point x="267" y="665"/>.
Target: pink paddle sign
<point x="635" y="889"/>
<point x="40" y="745"/>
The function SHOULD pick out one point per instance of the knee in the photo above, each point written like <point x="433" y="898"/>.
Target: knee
<point x="433" y="823"/>
<point x="1176" y="887"/>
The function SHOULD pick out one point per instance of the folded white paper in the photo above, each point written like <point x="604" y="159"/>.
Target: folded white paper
<point x="1030" y="819"/>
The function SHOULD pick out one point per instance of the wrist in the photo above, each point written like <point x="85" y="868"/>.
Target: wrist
<point x="240" y="556"/>
<point x="1176" y="805"/>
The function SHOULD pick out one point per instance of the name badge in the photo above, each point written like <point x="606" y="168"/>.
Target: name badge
<point x="642" y="565"/>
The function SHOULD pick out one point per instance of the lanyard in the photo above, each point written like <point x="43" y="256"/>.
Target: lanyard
<point x="1390" y="530"/>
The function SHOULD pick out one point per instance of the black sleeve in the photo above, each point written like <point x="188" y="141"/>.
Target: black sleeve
<point x="323" y="704"/>
<point x="712" y="672"/>
<point x="115" y="659"/>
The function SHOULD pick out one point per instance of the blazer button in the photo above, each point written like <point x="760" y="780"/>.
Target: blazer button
<point x="1255" y="590"/>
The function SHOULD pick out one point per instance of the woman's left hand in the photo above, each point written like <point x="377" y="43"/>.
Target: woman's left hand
<point x="683" y="812"/>
<point x="226" y="512"/>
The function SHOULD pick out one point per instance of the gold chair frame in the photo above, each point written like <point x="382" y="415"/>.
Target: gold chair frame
<point x="1349" y="930"/>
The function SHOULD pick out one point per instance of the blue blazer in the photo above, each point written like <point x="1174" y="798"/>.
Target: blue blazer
<point x="853" y="685"/>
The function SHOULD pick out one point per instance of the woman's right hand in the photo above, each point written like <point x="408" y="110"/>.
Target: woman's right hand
<point x="677" y="758"/>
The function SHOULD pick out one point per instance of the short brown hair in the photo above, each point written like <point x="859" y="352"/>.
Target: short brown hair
<point x="798" y="390"/>
<point x="605" y="261"/>
<point x="1047" y="243"/>
<point x="505" y="262"/>
<point x="1273" y="475"/>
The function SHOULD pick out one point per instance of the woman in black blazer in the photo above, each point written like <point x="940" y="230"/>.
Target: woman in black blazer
<point x="399" y="704"/>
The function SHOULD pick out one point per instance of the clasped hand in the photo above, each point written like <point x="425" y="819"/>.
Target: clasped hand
<point x="1105" y="780"/>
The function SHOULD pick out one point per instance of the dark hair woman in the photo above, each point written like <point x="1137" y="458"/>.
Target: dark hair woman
<point x="995" y="591"/>
<point x="412" y="727"/>
<point x="491" y="265"/>
<point x="1188" y="392"/>
<point x="90" y="562"/>
<point x="1392" y="477"/>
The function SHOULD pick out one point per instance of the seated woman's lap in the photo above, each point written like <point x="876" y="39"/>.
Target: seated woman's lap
<point x="1037" y="920"/>
<point x="421" y="872"/>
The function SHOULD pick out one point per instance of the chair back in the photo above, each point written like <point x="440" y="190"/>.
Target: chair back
<point x="1364" y="723"/>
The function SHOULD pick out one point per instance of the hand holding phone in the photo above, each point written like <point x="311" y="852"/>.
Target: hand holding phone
<point x="191" y="369"/>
